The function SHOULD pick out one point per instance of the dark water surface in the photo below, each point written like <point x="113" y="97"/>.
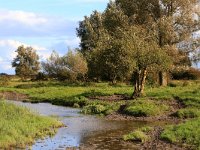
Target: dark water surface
<point x="91" y="132"/>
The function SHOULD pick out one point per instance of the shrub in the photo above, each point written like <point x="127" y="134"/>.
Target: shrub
<point x="41" y="77"/>
<point x="190" y="74"/>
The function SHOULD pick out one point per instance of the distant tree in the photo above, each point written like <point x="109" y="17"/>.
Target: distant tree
<point x="76" y="64"/>
<point x="26" y="63"/>
<point x="71" y="66"/>
<point x="53" y="66"/>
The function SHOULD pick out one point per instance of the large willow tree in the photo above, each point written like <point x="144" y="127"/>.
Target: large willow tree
<point x="131" y="36"/>
<point x="170" y="21"/>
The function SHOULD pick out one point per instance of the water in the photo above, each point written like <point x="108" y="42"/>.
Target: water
<point x="85" y="131"/>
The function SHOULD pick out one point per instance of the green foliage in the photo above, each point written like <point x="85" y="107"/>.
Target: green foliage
<point x="185" y="133"/>
<point x="145" y="108"/>
<point x="18" y="126"/>
<point x="136" y="136"/>
<point x="26" y="63"/>
<point x="188" y="113"/>
<point x="71" y="66"/>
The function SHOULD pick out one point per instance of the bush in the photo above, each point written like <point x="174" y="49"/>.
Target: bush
<point x="190" y="74"/>
<point x="41" y="77"/>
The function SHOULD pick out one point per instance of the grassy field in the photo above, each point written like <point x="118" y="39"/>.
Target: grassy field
<point x="19" y="127"/>
<point x="155" y="102"/>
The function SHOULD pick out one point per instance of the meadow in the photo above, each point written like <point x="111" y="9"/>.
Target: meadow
<point x="179" y="100"/>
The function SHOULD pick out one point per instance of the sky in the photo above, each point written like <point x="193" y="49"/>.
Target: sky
<point x="46" y="25"/>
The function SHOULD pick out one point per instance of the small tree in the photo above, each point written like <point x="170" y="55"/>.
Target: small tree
<point x="26" y="63"/>
<point x="76" y="64"/>
<point x="71" y="66"/>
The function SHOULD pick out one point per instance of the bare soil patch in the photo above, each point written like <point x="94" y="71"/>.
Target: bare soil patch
<point x="13" y="96"/>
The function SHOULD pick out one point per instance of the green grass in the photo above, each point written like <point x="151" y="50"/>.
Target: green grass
<point x="136" y="136"/>
<point x="76" y="95"/>
<point x="145" y="108"/>
<point x="188" y="113"/>
<point x="101" y="108"/>
<point x="19" y="126"/>
<point x="186" y="134"/>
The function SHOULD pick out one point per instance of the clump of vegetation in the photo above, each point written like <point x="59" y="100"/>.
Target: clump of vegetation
<point x="145" y="108"/>
<point x="188" y="113"/>
<point x="94" y="109"/>
<point x="185" y="133"/>
<point x="136" y="136"/>
<point x="139" y="135"/>
<point x="18" y="126"/>
<point x="101" y="108"/>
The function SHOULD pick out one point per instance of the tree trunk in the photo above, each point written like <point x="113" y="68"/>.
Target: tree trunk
<point x="163" y="81"/>
<point x="139" y="83"/>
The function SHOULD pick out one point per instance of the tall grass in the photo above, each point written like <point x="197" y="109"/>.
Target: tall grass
<point x="19" y="126"/>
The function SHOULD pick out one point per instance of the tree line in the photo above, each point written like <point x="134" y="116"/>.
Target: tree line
<point x="128" y="40"/>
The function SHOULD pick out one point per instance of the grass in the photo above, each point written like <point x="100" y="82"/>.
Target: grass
<point x="145" y="108"/>
<point x="19" y="126"/>
<point x="101" y="108"/>
<point x="76" y="95"/>
<point x="186" y="133"/>
<point x="187" y="113"/>
<point x="136" y="136"/>
<point x="139" y="135"/>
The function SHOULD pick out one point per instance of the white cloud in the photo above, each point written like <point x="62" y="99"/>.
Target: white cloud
<point x="27" y="18"/>
<point x="29" y="24"/>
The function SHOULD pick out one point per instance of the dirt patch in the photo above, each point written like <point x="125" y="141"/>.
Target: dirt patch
<point x="116" y="97"/>
<point x="13" y="96"/>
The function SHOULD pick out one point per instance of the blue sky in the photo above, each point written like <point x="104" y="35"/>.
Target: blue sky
<point x="45" y="25"/>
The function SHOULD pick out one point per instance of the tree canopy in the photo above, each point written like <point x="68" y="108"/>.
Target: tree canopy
<point x="26" y="63"/>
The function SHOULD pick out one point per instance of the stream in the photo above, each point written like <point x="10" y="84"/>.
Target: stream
<point x="90" y="132"/>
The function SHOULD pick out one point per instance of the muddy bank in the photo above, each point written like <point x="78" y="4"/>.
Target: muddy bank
<point x="13" y="96"/>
